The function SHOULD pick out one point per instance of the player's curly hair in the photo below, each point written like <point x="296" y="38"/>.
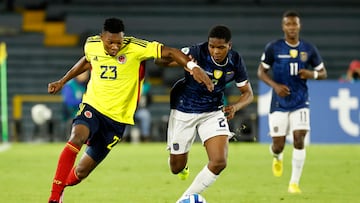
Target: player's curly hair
<point x="114" y="25"/>
<point x="220" y="32"/>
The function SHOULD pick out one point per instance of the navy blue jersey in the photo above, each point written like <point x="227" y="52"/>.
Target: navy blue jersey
<point x="286" y="61"/>
<point x="189" y="96"/>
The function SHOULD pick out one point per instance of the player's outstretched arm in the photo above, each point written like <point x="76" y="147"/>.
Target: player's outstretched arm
<point x="81" y="66"/>
<point x="174" y="57"/>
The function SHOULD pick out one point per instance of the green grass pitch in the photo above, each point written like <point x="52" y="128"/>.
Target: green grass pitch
<point x="139" y="173"/>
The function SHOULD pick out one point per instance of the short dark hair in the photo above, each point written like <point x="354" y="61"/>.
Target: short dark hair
<point x="114" y="25"/>
<point x="291" y="13"/>
<point x="220" y="32"/>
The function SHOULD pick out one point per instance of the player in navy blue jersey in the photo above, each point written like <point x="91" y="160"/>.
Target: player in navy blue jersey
<point x="195" y="110"/>
<point x="292" y="61"/>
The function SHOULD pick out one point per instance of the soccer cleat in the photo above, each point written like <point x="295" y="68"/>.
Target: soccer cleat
<point x="184" y="174"/>
<point x="294" y="188"/>
<point x="277" y="167"/>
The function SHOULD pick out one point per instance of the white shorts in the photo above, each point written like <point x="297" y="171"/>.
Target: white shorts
<point x="282" y="123"/>
<point x="183" y="128"/>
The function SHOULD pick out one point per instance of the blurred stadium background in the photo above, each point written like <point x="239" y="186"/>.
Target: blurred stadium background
<point x="44" y="39"/>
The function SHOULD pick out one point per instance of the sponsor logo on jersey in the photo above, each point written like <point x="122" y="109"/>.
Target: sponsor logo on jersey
<point x="285" y="56"/>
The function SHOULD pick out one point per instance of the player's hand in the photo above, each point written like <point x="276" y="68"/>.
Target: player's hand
<point x="306" y="74"/>
<point x="54" y="87"/>
<point x="282" y="90"/>
<point x="201" y="77"/>
<point x="229" y="112"/>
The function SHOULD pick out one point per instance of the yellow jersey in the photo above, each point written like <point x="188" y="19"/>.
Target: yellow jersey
<point x="115" y="81"/>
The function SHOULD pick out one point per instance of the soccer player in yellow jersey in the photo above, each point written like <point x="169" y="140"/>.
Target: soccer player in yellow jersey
<point x="110" y="100"/>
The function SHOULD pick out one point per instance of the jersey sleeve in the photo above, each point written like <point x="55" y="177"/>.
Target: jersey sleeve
<point x="152" y="50"/>
<point x="86" y="51"/>
<point x="185" y="50"/>
<point x="267" y="57"/>
<point x="241" y="78"/>
<point x="194" y="51"/>
<point x="316" y="59"/>
<point x="89" y="44"/>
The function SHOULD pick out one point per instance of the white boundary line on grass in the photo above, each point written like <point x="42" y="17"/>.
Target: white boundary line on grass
<point x="4" y="147"/>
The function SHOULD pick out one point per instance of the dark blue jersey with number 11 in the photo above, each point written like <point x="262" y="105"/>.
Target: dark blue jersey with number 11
<point x="189" y="96"/>
<point x="286" y="61"/>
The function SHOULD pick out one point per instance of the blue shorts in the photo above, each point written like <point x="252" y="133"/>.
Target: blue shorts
<point x="105" y="133"/>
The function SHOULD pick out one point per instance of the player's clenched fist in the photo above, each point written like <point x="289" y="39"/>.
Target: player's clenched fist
<point x="54" y="87"/>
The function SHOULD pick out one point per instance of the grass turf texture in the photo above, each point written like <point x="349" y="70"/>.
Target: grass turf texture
<point x="139" y="173"/>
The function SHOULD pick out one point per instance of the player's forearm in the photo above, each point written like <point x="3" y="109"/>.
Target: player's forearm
<point x="81" y="66"/>
<point x="266" y="79"/>
<point x="263" y="75"/>
<point x="165" y="62"/>
<point x="174" y="57"/>
<point x="245" y="99"/>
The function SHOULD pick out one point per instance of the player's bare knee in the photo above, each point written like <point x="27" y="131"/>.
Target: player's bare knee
<point x="78" y="138"/>
<point x="299" y="145"/>
<point x="217" y="166"/>
<point x="277" y="149"/>
<point x="79" y="134"/>
<point x="299" y="141"/>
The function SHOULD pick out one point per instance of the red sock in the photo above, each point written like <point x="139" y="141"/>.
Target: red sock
<point x="72" y="178"/>
<point x="66" y="162"/>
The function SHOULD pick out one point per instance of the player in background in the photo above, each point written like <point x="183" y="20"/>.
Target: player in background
<point x="290" y="60"/>
<point x="195" y="110"/>
<point x="111" y="97"/>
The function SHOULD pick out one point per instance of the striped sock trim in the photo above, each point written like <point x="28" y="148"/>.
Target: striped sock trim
<point x="73" y="147"/>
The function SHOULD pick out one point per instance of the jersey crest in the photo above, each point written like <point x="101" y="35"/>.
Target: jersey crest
<point x="293" y="53"/>
<point x="303" y="56"/>
<point x="217" y="74"/>
<point x="122" y="59"/>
